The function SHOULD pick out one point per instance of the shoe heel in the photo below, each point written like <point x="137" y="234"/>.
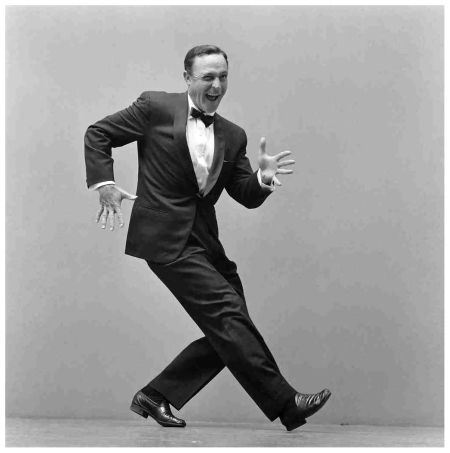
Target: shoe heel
<point x="138" y="410"/>
<point x="291" y="420"/>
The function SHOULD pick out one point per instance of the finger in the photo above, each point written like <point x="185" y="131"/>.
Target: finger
<point x="276" y="181"/>
<point x="282" y="154"/>
<point x="283" y="163"/>
<point x="111" y="219"/>
<point x="282" y="171"/>
<point x="119" y="217"/>
<point x="262" y="145"/>
<point x="99" y="213"/>
<point x="104" y="217"/>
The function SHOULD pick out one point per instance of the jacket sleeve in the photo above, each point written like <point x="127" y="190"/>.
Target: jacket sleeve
<point x="118" y="129"/>
<point x="243" y="184"/>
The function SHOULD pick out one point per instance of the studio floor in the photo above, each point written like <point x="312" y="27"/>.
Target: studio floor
<point x="34" y="432"/>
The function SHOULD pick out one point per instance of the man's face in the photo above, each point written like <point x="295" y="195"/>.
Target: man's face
<point x="207" y="81"/>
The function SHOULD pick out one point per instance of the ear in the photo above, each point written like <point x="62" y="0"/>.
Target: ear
<point x="187" y="77"/>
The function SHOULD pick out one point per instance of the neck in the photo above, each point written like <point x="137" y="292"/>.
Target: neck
<point x="193" y="104"/>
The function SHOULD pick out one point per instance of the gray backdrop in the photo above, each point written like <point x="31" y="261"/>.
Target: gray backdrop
<point x="342" y="266"/>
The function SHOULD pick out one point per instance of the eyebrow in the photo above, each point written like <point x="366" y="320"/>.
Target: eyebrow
<point x="213" y="73"/>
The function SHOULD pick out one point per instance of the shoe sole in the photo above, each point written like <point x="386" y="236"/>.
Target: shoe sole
<point x="138" y="410"/>
<point x="296" y="424"/>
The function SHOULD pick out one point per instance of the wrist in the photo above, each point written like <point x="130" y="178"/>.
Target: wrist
<point x="105" y="188"/>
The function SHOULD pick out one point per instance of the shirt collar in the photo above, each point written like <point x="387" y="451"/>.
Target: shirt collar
<point x="191" y="104"/>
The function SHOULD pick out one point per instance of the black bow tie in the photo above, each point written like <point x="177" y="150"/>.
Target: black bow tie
<point x="207" y="119"/>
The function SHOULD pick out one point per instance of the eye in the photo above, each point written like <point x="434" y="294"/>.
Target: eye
<point x="223" y="77"/>
<point x="208" y="78"/>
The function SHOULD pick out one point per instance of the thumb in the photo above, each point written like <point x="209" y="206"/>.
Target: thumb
<point x="129" y="196"/>
<point x="262" y="145"/>
<point x="277" y="181"/>
<point x="126" y="195"/>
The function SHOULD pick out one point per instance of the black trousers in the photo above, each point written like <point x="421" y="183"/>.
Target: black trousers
<point x="208" y="287"/>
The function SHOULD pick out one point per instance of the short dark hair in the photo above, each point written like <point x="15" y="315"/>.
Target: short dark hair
<point x="205" y="49"/>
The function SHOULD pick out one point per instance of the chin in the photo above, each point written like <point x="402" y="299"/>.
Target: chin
<point x="210" y="107"/>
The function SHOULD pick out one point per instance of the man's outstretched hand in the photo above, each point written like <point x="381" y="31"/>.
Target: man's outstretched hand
<point x="271" y="165"/>
<point x="111" y="198"/>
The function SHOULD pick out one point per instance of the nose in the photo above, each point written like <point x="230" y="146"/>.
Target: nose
<point x="216" y="83"/>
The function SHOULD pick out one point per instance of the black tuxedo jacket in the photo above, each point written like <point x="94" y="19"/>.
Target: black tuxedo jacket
<point x="163" y="214"/>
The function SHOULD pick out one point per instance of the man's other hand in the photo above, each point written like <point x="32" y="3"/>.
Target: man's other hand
<point x="271" y="165"/>
<point x="111" y="198"/>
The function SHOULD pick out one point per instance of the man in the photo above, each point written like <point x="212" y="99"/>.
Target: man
<point x="187" y="155"/>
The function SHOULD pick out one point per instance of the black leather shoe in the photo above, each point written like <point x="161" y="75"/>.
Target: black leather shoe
<point x="160" y="412"/>
<point x="305" y="405"/>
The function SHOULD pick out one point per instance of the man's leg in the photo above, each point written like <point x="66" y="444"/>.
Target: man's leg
<point x="197" y="364"/>
<point x="187" y="374"/>
<point x="221" y="313"/>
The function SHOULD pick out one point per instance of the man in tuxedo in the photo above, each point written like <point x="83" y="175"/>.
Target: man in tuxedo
<point x="187" y="155"/>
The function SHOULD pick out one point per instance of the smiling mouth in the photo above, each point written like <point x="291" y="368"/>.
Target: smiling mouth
<point x="210" y="97"/>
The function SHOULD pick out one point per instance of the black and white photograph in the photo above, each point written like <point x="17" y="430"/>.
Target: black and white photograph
<point x="224" y="225"/>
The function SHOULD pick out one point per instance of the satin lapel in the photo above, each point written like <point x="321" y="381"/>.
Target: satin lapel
<point x="219" y="152"/>
<point x="179" y="135"/>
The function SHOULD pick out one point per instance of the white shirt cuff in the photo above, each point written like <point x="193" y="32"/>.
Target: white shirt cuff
<point x="100" y="184"/>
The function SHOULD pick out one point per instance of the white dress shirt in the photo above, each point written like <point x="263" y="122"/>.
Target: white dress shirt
<point x="200" y="141"/>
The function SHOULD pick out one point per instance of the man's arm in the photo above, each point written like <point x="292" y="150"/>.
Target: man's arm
<point x="252" y="188"/>
<point x="115" y="130"/>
